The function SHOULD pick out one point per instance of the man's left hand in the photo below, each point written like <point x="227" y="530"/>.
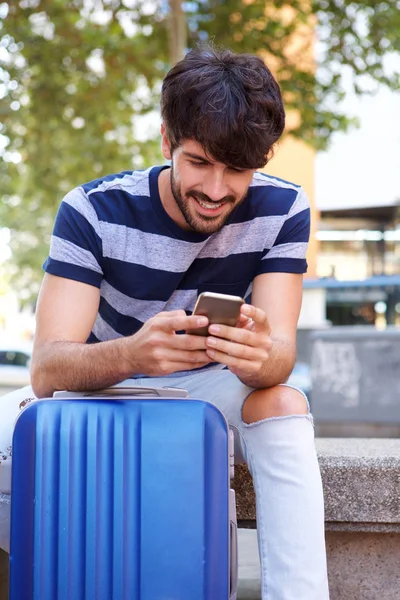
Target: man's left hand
<point x="244" y="349"/>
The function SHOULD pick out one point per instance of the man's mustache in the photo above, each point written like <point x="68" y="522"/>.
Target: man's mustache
<point x="204" y="198"/>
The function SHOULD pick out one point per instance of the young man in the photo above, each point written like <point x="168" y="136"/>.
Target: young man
<point x="131" y="252"/>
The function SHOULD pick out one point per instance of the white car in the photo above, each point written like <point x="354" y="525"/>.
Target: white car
<point x="14" y="364"/>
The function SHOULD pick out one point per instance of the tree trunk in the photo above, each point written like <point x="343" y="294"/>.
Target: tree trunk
<point x="177" y="31"/>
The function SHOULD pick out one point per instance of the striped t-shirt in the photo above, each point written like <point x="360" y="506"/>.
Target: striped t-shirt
<point x="114" y="233"/>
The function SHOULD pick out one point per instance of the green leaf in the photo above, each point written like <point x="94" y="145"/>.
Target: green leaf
<point x="76" y="74"/>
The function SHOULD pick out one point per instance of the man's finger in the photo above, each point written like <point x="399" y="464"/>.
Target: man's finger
<point x="188" y="357"/>
<point x="231" y="349"/>
<point x="189" y="342"/>
<point x="233" y="362"/>
<point x="240" y="335"/>
<point x="188" y="360"/>
<point x="181" y="323"/>
<point x="257" y="315"/>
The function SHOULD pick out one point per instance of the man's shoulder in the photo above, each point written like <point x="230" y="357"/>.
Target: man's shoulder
<point x="131" y="182"/>
<point x="107" y="198"/>
<point x="272" y="196"/>
<point x="265" y="180"/>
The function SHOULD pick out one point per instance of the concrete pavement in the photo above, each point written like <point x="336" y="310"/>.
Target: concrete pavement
<point x="249" y="566"/>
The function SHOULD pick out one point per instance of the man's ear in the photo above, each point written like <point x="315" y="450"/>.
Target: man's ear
<point x="165" y="144"/>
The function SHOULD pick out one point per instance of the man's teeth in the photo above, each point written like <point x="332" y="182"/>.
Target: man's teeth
<point x="209" y="205"/>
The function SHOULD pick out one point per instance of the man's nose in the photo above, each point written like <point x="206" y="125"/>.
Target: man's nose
<point x="215" y="187"/>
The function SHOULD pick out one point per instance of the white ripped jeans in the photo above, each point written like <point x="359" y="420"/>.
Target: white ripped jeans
<point x="281" y="456"/>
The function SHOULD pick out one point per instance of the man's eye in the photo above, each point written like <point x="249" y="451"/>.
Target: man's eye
<point x="198" y="164"/>
<point x="238" y="170"/>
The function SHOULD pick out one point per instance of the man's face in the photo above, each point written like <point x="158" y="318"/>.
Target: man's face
<point x="205" y="191"/>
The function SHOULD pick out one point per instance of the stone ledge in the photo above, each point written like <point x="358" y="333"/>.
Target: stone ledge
<point x="3" y="575"/>
<point x="361" y="479"/>
<point x="362" y="527"/>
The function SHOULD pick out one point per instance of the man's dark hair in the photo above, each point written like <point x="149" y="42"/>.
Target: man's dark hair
<point x="229" y="103"/>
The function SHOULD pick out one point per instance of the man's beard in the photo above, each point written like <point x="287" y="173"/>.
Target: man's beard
<point x="202" y="223"/>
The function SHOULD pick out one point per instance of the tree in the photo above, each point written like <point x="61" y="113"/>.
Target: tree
<point x="177" y="31"/>
<point x="73" y="80"/>
<point x="74" y="77"/>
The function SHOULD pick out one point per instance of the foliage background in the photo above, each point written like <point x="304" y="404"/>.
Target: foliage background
<point x="76" y="77"/>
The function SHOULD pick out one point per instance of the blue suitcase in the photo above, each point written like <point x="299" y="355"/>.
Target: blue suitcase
<point x="117" y="498"/>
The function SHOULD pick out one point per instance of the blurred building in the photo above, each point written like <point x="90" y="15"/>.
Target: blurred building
<point x="354" y="253"/>
<point x="356" y="243"/>
<point x="295" y="161"/>
<point x="372" y="301"/>
<point x="359" y="263"/>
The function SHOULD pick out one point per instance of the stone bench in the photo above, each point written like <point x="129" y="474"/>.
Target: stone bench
<point x="361" y="479"/>
<point x="3" y="575"/>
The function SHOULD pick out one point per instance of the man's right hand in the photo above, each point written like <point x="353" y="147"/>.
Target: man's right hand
<point x="62" y="360"/>
<point x="157" y="349"/>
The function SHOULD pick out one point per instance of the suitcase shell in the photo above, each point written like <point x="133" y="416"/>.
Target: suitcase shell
<point x="116" y="499"/>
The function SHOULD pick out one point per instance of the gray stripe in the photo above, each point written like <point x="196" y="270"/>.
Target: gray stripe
<point x="103" y="331"/>
<point x="294" y="250"/>
<point x="145" y="309"/>
<point x="164" y="253"/>
<point x="67" y="252"/>
<point x="249" y="290"/>
<point x="148" y="249"/>
<point x="301" y="203"/>
<point x="250" y="236"/>
<point x="79" y="200"/>
<point x="263" y="179"/>
<point x="133" y="183"/>
<point x="185" y="299"/>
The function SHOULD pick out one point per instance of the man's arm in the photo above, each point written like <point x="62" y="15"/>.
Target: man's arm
<point x="262" y="353"/>
<point x="62" y="360"/>
<point x="279" y="295"/>
<point x="65" y="315"/>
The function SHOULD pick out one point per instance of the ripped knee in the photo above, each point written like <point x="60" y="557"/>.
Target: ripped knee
<point x="277" y="401"/>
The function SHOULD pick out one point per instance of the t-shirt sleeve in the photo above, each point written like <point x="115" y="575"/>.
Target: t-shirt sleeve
<point x="76" y="246"/>
<point x="288" y="253"/>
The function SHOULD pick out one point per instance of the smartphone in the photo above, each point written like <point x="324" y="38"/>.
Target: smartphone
<point x="221" y="309"/>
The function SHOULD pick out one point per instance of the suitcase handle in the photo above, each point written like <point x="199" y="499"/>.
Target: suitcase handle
<point x="234" y="566"/>
<point x="126" y="391"/>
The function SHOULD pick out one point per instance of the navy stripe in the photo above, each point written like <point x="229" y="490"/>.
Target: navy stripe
<point x="295" y="229"/>
<point x="137" y="281"/>
<point x="120" y="323"/>
<point x="121" y="208"/>
<point x="62" y="269"/>
<point x="235" y="271"/>
<point x="140" y="282"/>
<point x="92" y="339"/>
<point x="265" y="201"/>
<point x="283" y="265"/>
<point x="72" y="226"/>
<point x="97" y="182"/>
